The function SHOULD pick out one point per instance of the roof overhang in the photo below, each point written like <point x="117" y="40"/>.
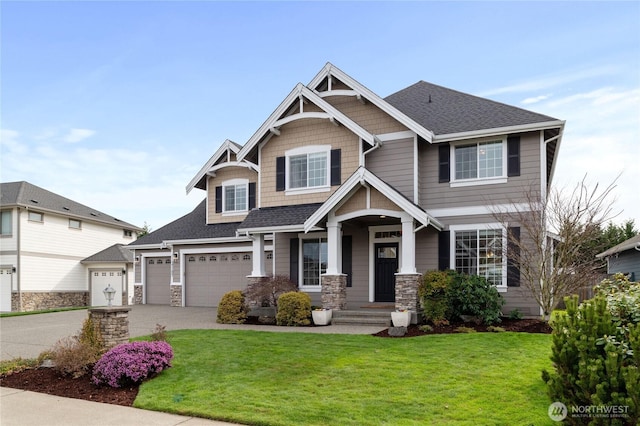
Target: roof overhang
<point x="449" y="137"/>
<point x="632" y="243"/>
<point x="275" y="229"/>
<point x="362" y="176"/>
<point x="224" y="149"/>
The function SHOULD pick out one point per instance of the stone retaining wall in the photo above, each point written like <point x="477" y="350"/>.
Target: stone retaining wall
<point x="35" y="301"/>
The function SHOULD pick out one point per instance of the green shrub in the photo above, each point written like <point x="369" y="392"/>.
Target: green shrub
<point x="623" y="298"/>
<point x="17" y="365"/>
<point x="515" y="314"/>
<point x="494" y="329"/>
<point x="434" y="297"/>
<point x="595" y="362"/>
<point x="465" y="330"/>
<point x="294" y="308"/>
<point x="232" y="309"/>
<point x="91" y="336"/>
<point x="475" y="296"/>
<point x="426" y="328"/>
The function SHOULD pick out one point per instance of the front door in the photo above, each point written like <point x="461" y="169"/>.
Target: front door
<point x="385" y="270"/>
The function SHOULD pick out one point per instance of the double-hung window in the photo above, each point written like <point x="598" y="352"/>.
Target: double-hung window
<point x="7" y="223"/>
<point x="314" y="261"/>
<point x="480" y="251"/>
<point x="308" y="170"/>
<point x="235" y="195"/>
<point x="480" y="160"/>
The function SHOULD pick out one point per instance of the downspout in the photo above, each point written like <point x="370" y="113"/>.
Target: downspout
<point x="377" y="144"/>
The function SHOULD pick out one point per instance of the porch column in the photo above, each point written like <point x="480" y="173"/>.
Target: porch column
<point x="258" y="256"/>
<point x="334" y="248"/>
<point x="408" y="246"/>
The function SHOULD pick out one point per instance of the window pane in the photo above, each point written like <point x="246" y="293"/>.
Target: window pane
<point x="230" y="198"/>
<point x="6" y="223"/>
<point x="314" y="261"/>
<point x="241" y="197"/>
<point x="466" y="162"/>
<point x="75" y="224"/>
<point x="490" y="159"/>
<point x="318" y="169"/>
<point x="35" y="217"/>
<point x="490" y="255"/>
<point x="298" y="171"/>
<point x="467" y="252"/>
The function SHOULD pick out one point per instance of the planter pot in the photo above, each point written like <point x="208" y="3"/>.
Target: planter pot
<point x="322" y="317"/>
<point x="401" y="319"/>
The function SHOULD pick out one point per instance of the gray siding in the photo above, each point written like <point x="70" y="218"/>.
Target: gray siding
<point x="358" y="293"/>
<point x="393" y="163"/>
<point x="435" y="195"/>
<point x="426" y="250"/>
<point x="626" y="262"/>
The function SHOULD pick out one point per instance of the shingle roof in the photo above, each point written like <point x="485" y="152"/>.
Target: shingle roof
<point x="117" y="253"/>
<point x="446" y="111"/>
<point x="188" y="227"/>
<point x="28" y="195"/>
<point x="279" y="216"/>
<point x="629" y="244"/>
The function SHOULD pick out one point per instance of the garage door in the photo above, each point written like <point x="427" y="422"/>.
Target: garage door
<point x="209" y="276"/>
<point x="100" y="280"/>
<point x="5" y="289"/>
<point x="157" y="277"/>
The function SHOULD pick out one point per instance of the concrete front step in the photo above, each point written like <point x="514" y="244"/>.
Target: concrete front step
<point x="362" y="317"/>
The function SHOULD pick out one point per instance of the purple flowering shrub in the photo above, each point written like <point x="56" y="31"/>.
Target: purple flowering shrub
<point x="132" y="363"/>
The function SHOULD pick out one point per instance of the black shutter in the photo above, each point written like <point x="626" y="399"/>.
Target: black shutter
<point x="513" y="156"/>
<point x="280" y="173"/>
<point x="513" y="254"/>
<point x="444" y="153"/>
<point x="218" y="199"/>
<point x="335" y="167"/>
<point x="443" y="250"/>
<point x="293" y="259"/>
<point x="252" y="195"/>
<point x="346" y="258"/>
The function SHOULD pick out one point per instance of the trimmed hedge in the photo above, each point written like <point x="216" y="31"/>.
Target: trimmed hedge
<point x="294" y="308"/>
<point x="232" y="308"/>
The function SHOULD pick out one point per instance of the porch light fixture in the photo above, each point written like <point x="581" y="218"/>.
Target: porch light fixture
<point x="137" y="259"/>
<point x="109" y="292"/>
<point x="175" y="255"/>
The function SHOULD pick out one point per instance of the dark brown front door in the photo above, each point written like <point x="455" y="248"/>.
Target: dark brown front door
<point x="386" y="267"/>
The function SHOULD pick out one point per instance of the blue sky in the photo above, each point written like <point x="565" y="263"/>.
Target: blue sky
<point x="117" y="105"/>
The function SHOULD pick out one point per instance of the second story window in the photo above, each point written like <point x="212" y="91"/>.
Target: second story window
<point x="312" y="168"/>
<point x="7" y="223"/>
<point x="479" y="161"/>
<point x="308" y="170"/>
<point x="75" y="224"/>
<point x="36" y="217"/>
<point x="235" y="197"/>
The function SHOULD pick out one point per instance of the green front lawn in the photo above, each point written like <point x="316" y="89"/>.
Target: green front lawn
<point x="267" y="378"/>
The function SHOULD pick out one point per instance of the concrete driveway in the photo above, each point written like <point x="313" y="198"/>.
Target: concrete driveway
<point x="29" y="335"/>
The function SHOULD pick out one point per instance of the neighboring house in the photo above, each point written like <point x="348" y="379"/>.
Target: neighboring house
<point x="624" y="258"/>
<point x="44" y="239"/>
<point x="355" y="196"/>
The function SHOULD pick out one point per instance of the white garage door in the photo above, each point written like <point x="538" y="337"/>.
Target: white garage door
<point x="209" y="276"/>
<point x="100" y="280"/>
<point x="5" y="289"/>
<point x="158" y="275"/>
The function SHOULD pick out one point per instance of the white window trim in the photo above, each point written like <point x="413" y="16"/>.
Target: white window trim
<point x="79" y="227"/>
<point x="479" y="227"/>
<point x="234" y="182"/>
<point x="456" y="183"/>
<point x="301" y="238"/>
<point x="306" y="150"/>
<point x="34" y="220"/>
<point x="10" y="214"/>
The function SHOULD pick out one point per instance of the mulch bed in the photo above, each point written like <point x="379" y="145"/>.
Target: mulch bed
<point x="47" y="380"/>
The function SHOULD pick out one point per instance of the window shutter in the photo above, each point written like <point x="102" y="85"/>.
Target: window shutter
<point x="218" y="199"/>
<point x="513" y="253"/>
<point x="335" y="167"/>
<point x="293" y="259"/>
<point x="513" y="156"/>
<point x="252" y="195"/>
<point x="280" y="173"/>
<point x="444" y="153"/>
<point x="346" y="258"/>
<point x="443" y="250"/>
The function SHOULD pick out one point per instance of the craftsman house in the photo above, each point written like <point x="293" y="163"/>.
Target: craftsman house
<point x="55" y="252"/>
<point x="354" y="196"/>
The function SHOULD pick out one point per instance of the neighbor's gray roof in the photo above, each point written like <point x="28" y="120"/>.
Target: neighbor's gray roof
<point x="278" y="216"/>
<point x="629" y="244"/>
<point x="117" y="253"/>
<point x="446" y="111"/>
<point x="189" y="227"/>
<point x="24" y="194"/>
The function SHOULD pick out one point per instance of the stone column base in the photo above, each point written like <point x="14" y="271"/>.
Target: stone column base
<point x="334" y="292"/>
<point x="113" y="322"/>
<point x="407" y="291"/>
<point x="137" y="294"/>
<point x="252" y="281"/>
<point x="176" y="295"/>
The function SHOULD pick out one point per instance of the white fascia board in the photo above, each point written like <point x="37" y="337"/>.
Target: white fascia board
<point x="276" y="229"/>
<point x="93" y="219"/>
<point x="207" y="241"/>
<point x="145" y="246"/>
<point x="498" y="131"/>
<point x="301" y="116"/>
<point x="555" y="154"/>
<point x="246" y="164"/>
<point x="373" y="98"/>
<point x="227" y="144"/>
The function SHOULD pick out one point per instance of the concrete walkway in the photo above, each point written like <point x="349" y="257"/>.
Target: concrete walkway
<point x="27" y="336"/>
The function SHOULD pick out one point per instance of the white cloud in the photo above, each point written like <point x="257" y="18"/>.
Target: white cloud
<point x="77" y="135"/>
<point x="535" y="99"/>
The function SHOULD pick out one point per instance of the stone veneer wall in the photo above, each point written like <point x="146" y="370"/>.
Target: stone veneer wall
<point x="113" y="323"/>
<point x="334" y="292"/>
<point x="137" y="294"/>
<point x="34" y="301"/>
<point x="252" y="281"/>
<point x="407" y="292"/>
<point x="176" y="295"/>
